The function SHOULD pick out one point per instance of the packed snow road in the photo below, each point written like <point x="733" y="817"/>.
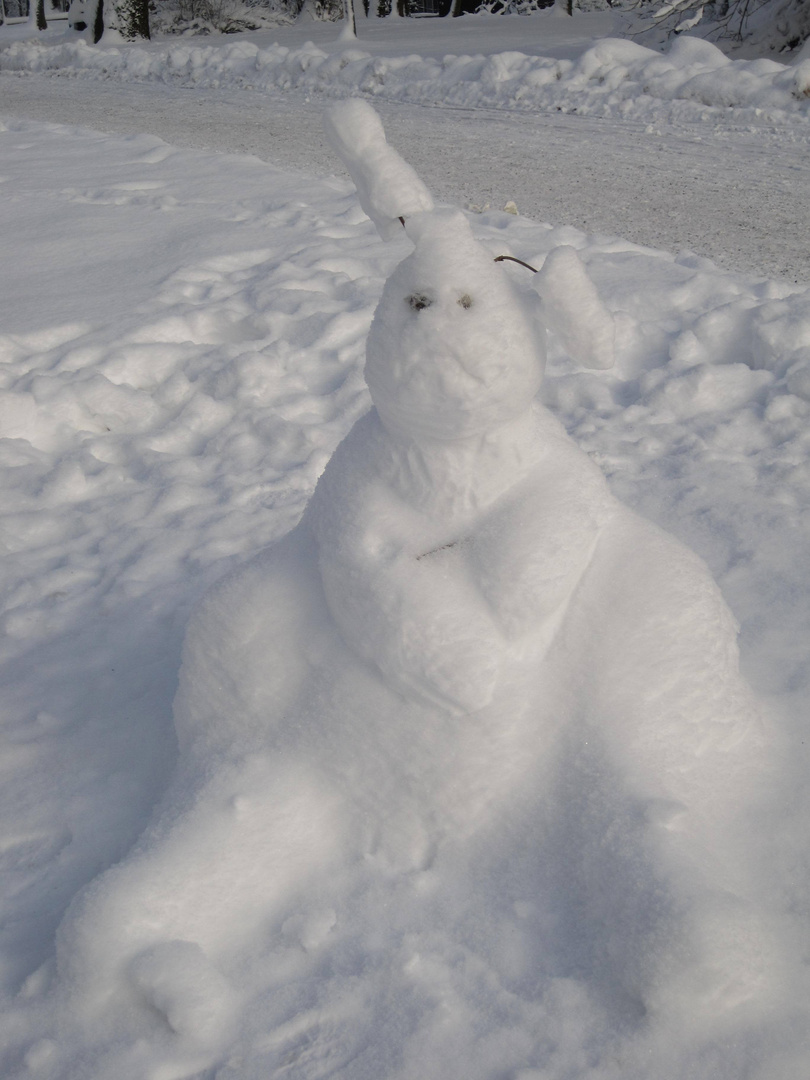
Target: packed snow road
<point x="732" y="192"/>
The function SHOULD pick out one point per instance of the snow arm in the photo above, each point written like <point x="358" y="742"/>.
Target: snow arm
<point x="530" y="555"/>
<point x="388" y="188"/>
<point x="573" y="310"/>
<point x="403" y="597"/>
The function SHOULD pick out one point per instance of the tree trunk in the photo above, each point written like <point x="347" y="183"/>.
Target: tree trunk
<point x="42" y="22"/>
<point x="98" y="22"/>
<point x="132" y="18"/>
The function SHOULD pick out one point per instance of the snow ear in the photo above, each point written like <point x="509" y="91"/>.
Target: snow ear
<point x="574" y="311"/>
<point x="388" y="188"/>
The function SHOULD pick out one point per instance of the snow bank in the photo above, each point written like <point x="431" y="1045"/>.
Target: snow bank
<point x="168" y="415"/>
<point x="613" y="77"/>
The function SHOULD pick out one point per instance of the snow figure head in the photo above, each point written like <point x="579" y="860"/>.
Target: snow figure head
<point x="452" y="352"/>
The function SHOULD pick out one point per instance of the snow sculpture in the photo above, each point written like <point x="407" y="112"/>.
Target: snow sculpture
<point x="469" y="696"/>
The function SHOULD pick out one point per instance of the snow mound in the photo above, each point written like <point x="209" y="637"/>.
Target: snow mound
<point x="470" y="699"/>
<point x="466" y="775"/>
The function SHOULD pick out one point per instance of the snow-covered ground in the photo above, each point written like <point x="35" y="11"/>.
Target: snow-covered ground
<point x="182" y="345"/>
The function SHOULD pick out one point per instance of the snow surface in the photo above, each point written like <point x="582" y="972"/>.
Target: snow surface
<point x="183" y="340"/>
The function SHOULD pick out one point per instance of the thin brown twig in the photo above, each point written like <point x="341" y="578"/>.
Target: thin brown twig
<point x="511" y="258"/>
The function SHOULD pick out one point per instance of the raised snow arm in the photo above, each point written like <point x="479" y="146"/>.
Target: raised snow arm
<point x="388" y="188"/>
<point x="574" y="311"/>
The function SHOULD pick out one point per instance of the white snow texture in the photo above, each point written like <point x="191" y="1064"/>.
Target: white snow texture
<point x="467" y="753"/>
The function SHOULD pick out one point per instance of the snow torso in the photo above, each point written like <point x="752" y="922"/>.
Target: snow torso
<point x="442" y="563"/>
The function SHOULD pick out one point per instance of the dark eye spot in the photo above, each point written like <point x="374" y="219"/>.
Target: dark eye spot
<point x="466" y="300"/>
<point x="418" y="301"/>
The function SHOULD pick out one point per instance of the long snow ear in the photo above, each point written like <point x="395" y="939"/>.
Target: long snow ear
<point x="574" y="311"/>
<point x="388" y="188"/>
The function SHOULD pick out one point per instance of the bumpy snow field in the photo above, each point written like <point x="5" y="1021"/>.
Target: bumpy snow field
<point x="182" y="344"/>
